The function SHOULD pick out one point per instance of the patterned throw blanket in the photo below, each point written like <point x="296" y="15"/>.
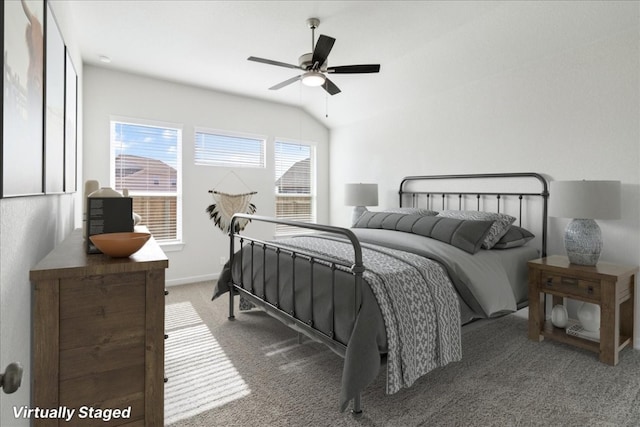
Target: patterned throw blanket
<point x="418" y="302"/>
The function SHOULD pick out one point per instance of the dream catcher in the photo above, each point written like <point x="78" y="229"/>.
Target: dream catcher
<point x="226" y="205"/>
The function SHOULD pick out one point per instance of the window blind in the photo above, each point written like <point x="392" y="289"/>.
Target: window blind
<point x="146" y="161"/>
<point x="219" y="149"/>
<point x="294" y="185"/>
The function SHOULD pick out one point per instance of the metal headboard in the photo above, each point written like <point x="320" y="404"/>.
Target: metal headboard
<point x="431" y="196"/>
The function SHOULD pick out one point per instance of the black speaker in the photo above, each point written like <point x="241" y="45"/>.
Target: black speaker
<point x="108" y="215"/>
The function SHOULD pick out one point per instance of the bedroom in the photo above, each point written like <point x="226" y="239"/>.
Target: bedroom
<point x="546" y="87"/>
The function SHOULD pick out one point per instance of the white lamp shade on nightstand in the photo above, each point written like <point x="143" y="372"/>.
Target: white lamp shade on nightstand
<point x="584" y="201"/>
<point x="360" y="196"/>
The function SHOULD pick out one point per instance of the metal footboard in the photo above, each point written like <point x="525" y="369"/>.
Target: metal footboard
<point x="271" y="300"/>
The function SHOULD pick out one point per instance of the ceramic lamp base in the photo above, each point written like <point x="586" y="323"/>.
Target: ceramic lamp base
<point x="357" y="213"/>
<point x="583" y="242"/>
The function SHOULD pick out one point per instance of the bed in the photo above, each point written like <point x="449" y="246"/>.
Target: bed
<point x="396" y="288"/>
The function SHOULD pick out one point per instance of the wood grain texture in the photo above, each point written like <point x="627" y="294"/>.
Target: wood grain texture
<point x="154" y="348"/>
<point x="609" y="285"/>
<point x="99" y="333"/>
<point x="46" y="356"/>
<point x="69" y="259"/>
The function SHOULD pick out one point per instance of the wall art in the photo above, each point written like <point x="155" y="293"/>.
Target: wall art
<point x="23" y="97"/>
<point x="70" y="126"/>
<point x="54" y="154"/>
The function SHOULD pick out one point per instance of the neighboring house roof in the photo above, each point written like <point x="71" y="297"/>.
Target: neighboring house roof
<point x="296" y="179"/>
<point x="143" y="173"/>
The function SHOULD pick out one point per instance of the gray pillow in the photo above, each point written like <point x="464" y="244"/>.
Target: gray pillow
<point x="514" y="237"/>
<point x="409" y="211"/>
<point x="501" y="223"/>
<point x="463" y="234"/>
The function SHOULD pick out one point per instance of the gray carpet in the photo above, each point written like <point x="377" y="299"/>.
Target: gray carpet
<point x="254" y="372"/>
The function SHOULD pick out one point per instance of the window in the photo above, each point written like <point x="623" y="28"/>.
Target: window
<point x="216" y="148"/>
<point x="146" y="160"/>
<point x="295" y="184"/>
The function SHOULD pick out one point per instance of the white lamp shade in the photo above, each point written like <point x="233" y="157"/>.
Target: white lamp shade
<point x="361" y="194"/>
<point x="585" y="199"/>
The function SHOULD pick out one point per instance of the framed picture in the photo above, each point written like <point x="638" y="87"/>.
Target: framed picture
<point x="23" y="97"/>
<point x="70" y="126"/>
<point x="54" y="152"/>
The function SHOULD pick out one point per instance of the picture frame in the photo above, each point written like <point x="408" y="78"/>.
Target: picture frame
<point x="70" y="126"/>
<point x="54" y="119"/>
<point x="23" y="98"/>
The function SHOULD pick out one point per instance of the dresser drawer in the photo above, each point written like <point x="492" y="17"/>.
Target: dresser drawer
<point x="570" y="285"/>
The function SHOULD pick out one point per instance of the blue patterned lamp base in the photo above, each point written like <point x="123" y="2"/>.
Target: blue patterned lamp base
<point x="583" y="242"/>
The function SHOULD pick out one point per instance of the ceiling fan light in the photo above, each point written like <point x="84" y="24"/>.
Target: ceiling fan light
<point x="313" y="79"/>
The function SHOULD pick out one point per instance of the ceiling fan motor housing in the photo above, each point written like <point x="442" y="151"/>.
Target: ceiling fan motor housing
<point x="306" y="61"/>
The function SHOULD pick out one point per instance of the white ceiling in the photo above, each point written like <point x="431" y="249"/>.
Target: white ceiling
<point x="424" y="47"/>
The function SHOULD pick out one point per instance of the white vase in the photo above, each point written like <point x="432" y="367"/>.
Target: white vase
<point x="589" y="316"/>
<point x="559" y="316"/>
<point x="105" y="192"/>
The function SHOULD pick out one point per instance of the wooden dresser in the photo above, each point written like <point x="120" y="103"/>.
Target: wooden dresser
<point x="98" y="336"/>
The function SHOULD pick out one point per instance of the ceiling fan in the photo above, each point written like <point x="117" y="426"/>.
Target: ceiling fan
<point x="314" y="64"/>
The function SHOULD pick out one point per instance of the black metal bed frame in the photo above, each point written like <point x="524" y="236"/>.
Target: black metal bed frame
<point x="479" y="195"/>
<point x="259" y="248"/>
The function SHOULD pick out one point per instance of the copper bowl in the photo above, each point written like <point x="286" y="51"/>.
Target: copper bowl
<point x="120" y="245"/>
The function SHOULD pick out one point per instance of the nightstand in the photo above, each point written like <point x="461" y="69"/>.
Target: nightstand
<point x="609" y="285"/>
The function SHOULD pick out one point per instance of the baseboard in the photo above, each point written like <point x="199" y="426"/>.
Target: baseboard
<point x="192" y="279"/>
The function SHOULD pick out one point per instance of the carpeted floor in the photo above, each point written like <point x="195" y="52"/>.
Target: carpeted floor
<point x="253" y="371"/>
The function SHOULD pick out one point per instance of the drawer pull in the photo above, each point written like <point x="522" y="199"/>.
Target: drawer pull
<point x="568" y="281"/>
<point x="550" y="281"/>
<point x="590" y="290"/>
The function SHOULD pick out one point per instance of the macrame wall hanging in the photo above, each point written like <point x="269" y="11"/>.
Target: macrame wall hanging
<point x="229" y="204"/>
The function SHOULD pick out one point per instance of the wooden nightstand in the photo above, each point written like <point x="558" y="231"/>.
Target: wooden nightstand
<point x="609" y="285"/>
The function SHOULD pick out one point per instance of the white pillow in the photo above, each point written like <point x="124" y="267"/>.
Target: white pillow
<point x="501" y="223"/>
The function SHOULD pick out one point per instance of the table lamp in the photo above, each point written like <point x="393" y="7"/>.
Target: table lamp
<point x="584" y="201"/>
<point x="360" y="196"/>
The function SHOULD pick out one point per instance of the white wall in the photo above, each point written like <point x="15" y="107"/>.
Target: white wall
<point x="109" y="92"/>
<point x="572" y="113"/>
<point x="30" y="227"/>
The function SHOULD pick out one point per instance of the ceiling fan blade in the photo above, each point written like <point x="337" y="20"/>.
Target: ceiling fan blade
<point x="330" y="87"/>
<point x="285" y="83"/>
<point x="271" y="62"/>
<point x="353" y="69"/>
<point x="322" y="49"/>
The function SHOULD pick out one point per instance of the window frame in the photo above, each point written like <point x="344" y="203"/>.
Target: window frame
<point x="167" y="244"/>
<point x="230" y="134"/>
<point x="313" y="184"/>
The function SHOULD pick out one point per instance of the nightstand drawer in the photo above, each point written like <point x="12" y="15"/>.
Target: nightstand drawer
<point x="571" y="286"/>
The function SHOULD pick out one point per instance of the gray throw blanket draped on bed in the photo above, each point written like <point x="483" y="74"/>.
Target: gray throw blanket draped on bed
<point x="418" y="303"/>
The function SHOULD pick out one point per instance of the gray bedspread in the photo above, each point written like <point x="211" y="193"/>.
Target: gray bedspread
<point x="485" y="282"/>
<point x="418" y="303"/>
<point x="490" y="282"/>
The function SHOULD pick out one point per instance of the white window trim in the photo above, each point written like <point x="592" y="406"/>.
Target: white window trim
<point x="233" y="134"/>
<point x="173" y="246"/>
<point x="314" y="177"/>
<point x="168" y="245"/>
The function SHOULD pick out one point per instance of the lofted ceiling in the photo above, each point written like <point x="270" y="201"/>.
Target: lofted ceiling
<point x="424" y="47"/>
